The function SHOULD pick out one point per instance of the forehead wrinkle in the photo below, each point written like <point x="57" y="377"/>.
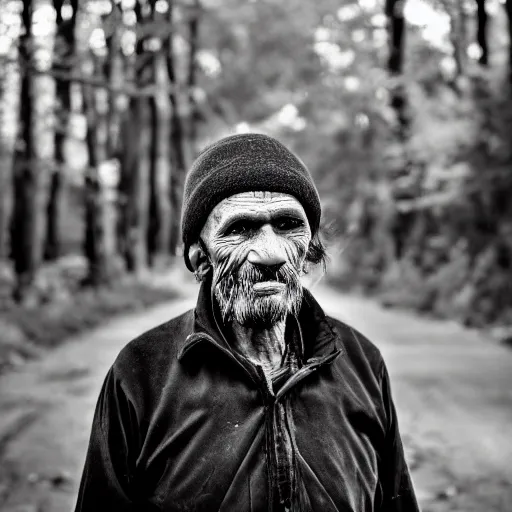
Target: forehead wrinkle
<point x="257" y="208"/>
<point x="262" y="195"/>
<point x="257" y="197"/>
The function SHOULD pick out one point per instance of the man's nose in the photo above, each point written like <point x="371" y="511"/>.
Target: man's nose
<point x="267" y="250"/>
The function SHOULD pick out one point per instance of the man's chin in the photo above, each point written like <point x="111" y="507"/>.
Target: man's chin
<point x="262" y="312"/>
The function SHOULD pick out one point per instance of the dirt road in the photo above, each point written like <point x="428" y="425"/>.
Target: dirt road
<point x="453" y="391"/>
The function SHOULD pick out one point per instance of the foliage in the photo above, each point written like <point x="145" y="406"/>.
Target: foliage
<point x="457" y="260"/>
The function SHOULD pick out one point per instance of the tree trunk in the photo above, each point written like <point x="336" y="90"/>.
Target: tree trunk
<point x="160" y="205"/>
<point x="394" y="10"/>
<point x="458" y="36"/>
<point x="37" y="100"/>
<point x="508" y="8"/>
<point x="481" y="33"/>
<point x="178" y="151"/>
<point x="63" y="61"/>
<point x="192" y="73"/>
<point x="138" y="190"/>
<point x="114" y="74"/>
<point x="137" y="174"/>
<point x="98" y="249"/>
<point x="9" y="105"/>
<point x="127" y="151"/>
<point x="127" y="155"/>
<point x="463" y="36"/>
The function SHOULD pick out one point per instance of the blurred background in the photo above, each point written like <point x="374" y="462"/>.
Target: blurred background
<point x="401" y="109"/>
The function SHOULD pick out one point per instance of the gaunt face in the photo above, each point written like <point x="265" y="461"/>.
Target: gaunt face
<point x="257" y="244"/>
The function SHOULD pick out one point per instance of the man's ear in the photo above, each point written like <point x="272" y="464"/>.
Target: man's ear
<point x="199" y="260"/>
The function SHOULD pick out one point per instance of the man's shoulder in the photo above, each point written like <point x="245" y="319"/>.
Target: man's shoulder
<point x="356" y="345"/>
<point x="156" y="347"/>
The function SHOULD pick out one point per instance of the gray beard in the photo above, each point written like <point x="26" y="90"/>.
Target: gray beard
<point x="238" y="302"/>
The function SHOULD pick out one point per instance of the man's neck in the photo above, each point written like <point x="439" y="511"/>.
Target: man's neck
<point x="264" y="347"/>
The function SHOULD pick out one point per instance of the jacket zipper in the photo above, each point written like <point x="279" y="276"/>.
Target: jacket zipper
<point x="304" y="372"/>
<point x="269" y="399"/>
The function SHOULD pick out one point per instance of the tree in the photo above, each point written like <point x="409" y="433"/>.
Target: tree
<point x="63" y="63"/>
<point x="136" y="161"/>
<point x="160" y="206"/>
<point x="97" y="247"/>
<point x="508" y="7"/>
<point x="481" y="35"/>
<point x="456" y="10"/>
<point x="178" y="144"/>
<point x="394" y="10"/>
<point x="159" y="229"/>
<point x="103" y="119"/>
<point x="192" y="84"/>
<point x="36" y="158"/>
<point x="9" y="105"/>
<point x="114" y="74"/>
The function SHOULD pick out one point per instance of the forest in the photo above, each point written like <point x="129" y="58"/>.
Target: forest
<point x="402" y="110"/>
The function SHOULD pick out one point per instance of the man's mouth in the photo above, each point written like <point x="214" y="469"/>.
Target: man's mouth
<point x="268" y="287"/>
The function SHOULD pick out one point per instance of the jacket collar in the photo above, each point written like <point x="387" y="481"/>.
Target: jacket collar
<point x="318" y="335"/>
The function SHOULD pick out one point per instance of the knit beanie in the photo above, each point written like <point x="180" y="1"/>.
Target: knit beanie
<point x="243" y="163"/>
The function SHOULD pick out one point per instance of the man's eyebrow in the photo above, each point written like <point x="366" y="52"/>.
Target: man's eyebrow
<point x="261" y="216"/>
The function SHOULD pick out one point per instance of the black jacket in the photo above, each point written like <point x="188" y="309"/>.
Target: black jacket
<point x="180" y="424"/>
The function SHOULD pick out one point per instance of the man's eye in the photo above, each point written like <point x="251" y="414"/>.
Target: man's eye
<point x="237" y="228"/>
<point x="287" y="223"/>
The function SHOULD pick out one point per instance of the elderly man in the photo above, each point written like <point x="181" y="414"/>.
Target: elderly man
<point x="255" y="400"/>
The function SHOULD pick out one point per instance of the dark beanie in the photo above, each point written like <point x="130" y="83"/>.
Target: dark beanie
<point x="243" y="163"/>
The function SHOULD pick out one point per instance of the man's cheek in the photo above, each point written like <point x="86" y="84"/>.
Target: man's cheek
<point x="227" y="259"/>
<point x="222" y="250"/>
<point x="296" y="249"/>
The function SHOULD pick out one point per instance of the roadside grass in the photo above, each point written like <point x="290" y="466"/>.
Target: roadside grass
<point x="67" y="307"/>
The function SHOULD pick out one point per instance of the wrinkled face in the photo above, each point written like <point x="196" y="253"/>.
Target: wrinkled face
<point x="257" y="243"/>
